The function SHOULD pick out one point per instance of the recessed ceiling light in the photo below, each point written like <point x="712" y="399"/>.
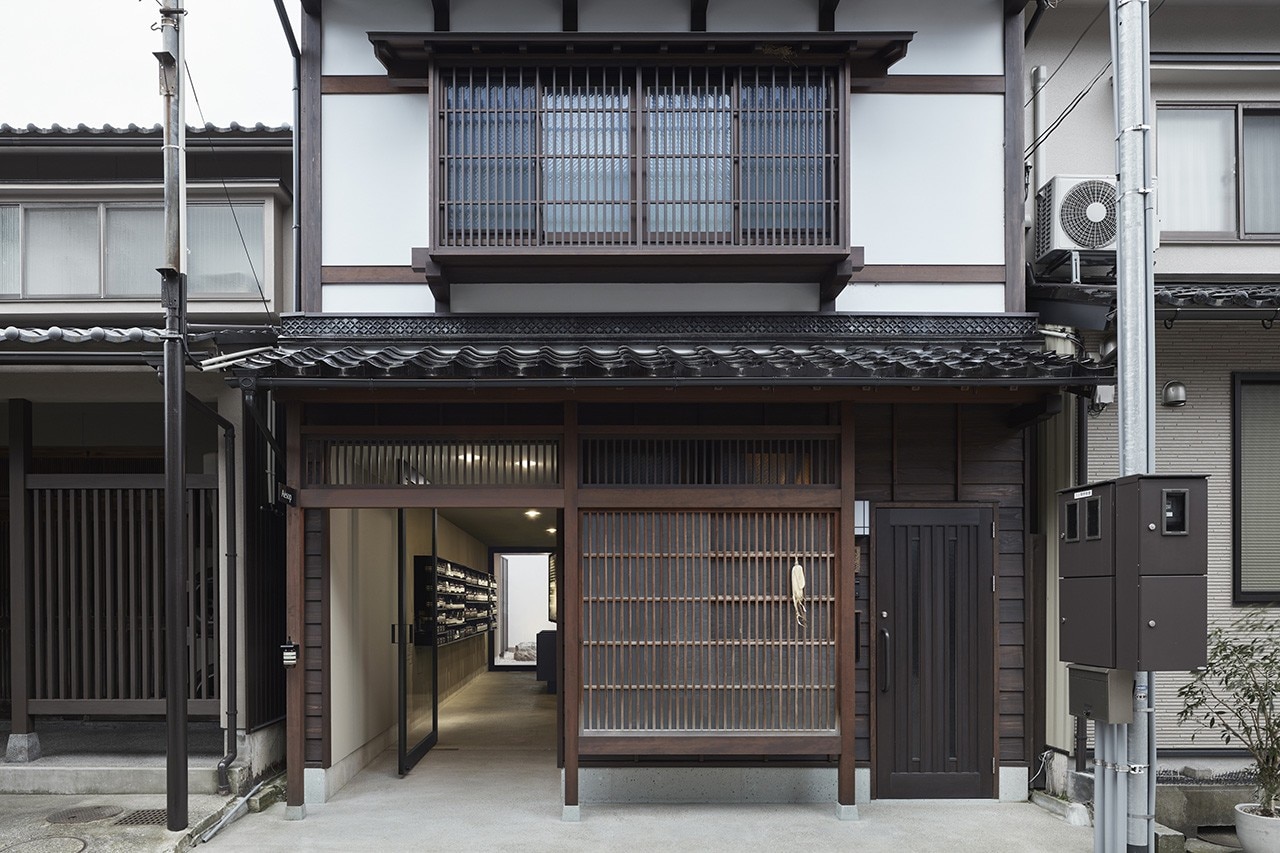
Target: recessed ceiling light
<point x="532" y="513"/>
<point x="551" y="530"/>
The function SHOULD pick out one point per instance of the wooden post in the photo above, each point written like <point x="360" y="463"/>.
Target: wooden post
<point x="24" y="745"/>
<point x="295" y="684"/>
<point x="846" y="639"/>
<point x="570" y="616"/>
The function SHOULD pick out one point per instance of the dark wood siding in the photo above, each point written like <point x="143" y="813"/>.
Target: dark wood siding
<point x="315" y="640"/>
<point x="921" y="452"/>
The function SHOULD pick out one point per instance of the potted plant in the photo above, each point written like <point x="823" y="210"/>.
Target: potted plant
<point x="1237" y="693"/>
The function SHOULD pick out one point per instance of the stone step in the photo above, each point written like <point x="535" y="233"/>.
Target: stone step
<point x="98" y="777"/>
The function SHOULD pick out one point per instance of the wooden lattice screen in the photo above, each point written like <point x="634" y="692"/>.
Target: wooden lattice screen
<point x="688" y="625"/>
<point x="436" y="461"/>
<point x="97" y="592"/>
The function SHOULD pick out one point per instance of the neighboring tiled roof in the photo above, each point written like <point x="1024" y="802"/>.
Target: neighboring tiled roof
<point x="1261" y="296"/>
<point x="93" y="334"/>
<point x="134" y="129"/>
<point x="710" y="363"/>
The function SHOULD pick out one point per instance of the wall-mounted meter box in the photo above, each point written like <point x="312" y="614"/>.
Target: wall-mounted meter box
<point x="1133" y="557"/>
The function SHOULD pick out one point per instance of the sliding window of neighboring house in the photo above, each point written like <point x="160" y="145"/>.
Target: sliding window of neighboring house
<point x="111" y="250"/>
<point x="1257" y="487"/>
<point x="1219" y="169"/>
<point x="629" y="156"/>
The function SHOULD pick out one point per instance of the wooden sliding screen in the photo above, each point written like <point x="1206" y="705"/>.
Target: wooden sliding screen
<point x="688" y="625"/>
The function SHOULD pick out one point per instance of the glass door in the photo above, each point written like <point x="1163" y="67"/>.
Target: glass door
<point x="418" y="710"/>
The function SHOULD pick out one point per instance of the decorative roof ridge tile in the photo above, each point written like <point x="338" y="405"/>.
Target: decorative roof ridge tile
<point x="147" y="130"/>
<point x="78" y="335"/>
<point x="782" y="329"/>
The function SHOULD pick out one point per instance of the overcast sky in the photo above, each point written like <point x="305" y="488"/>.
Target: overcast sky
<point x="90" y="62"/>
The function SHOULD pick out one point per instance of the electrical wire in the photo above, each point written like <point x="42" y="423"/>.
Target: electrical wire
<point x="1080" y="96"/>
<point x="266" y="308"/>
<point x="1088" y="27"/>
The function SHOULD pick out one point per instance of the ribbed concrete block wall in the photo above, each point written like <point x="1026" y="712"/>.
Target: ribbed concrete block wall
<point x="1195" y="439"/>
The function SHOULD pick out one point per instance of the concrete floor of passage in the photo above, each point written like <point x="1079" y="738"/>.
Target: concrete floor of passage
<point x="492" y="784"/>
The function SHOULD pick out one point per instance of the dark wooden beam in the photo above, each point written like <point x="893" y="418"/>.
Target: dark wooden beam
<point x="19" y="560"/>
<point x="827" y="15"/>
<point x="698" y="16"/>
<point x="569" y="15"/>
<point x="311" y="7"/>
<point x="570" y="618"/>
<point x="846" y="617"/>
<point x="295" y="629"/>
<point x="441" y="8"/>
<point x="308" y="192"/>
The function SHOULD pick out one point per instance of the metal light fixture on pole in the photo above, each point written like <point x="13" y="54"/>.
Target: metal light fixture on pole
<point x="1135" y="304"/>
<point x="173" y="298"/>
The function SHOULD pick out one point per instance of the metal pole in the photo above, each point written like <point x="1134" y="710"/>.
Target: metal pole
<point x="173" y="298"/>
<point x="1135" y="303"/>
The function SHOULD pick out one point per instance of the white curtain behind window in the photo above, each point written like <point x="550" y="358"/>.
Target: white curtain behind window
<point x="1196" y="151"/>
<point x="62" y="251"/>
<point x="1259" y="487"/>
<point x="10" y="285"/>
<point x="216" y="259"/>
<point x="1262" y="173"/>
<point x="134" y="249"/>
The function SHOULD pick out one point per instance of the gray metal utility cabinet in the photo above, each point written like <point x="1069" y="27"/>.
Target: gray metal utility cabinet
<point x="1132" y="560"/>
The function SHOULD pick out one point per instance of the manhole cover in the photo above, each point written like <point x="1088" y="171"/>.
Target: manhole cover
<point x="84" y="814"/>
<point x="144" y="817"/>
<point x="53" y="844"/>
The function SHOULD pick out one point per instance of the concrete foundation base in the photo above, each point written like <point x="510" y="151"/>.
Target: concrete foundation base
<point x="708" y="785"/>
<point x="844" y="812"/>
<point x="295" y="812"/>
<point x="571" y="814"/>
<point x="23" y="748"/>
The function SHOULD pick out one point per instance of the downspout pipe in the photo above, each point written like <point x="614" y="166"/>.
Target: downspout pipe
<point x="1041" y="5"/>
<point x="232" y="669"/>
<point x="297" y="158"/>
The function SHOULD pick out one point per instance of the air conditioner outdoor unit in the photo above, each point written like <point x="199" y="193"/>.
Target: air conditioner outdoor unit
<point x="1076" y="214"/>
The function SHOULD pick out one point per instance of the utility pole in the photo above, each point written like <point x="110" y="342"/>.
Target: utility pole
<point x="173" y="296"/>
<point x="1135" y="303"/>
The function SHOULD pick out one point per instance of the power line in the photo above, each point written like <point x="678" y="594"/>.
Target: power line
<point x="1088" y="27"/>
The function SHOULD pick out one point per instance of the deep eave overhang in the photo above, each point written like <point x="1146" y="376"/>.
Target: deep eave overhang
<point x="663" y="351"/>
<point x="409" y="55"/>
<point x="1092" y="306"/>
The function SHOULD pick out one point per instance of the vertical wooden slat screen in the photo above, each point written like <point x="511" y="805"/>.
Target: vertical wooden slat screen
<point x="438" y="462"/>
<point x="98" y="567"/>
<point x="692" y="461"/>
<point x="6" y="611"/>
<point x="688" y="625"/>
<point x="630" y="155"/>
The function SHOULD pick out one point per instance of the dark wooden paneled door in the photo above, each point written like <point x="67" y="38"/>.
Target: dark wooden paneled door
<point x="935" y="640"/>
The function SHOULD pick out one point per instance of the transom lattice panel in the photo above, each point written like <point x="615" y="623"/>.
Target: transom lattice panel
<point x="689" y="627"/>
<point x="683" y="461"/>
<point x="439" y="462"/>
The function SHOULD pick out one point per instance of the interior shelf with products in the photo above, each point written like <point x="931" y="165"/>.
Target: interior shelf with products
<point x="464" y="601"/>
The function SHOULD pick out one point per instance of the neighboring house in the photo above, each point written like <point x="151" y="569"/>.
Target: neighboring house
<point x="724" y="288"/>
<point x="1216" y="89"/>
<point x="81" y="235"/>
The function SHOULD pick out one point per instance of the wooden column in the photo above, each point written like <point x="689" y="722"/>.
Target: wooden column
<point x="20" y="562"/>
<point x="846" y="627"/>
<point x="570" y="617"/>
<point x="295" y="683"/>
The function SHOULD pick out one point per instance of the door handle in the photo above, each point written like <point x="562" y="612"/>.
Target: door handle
<point x="885" y="659"/>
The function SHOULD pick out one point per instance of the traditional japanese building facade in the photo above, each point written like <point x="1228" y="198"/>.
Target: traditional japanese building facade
<point x="734" y="291"/>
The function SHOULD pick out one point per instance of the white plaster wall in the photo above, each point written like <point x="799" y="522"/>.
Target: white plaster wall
<point x="927" y="181"/>
<point x="347" y="24"/>
<point x="914" y="298"/>
<point x="595" y="297"/>
<point x="659" y="16"/>
<point x="526" y="597"/>
<point x="955" y="37"/>
<point x="376" y="299"/>
<point x="362" y="566"/>
<point x="488" y="16"/>
<point x="375" y="175"/>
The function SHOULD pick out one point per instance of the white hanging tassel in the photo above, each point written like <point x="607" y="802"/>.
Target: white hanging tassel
<point x="797" y="594"/>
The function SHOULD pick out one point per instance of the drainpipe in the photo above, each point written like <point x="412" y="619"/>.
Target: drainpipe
<point x="232" y="697"/>
<point x="1041" y="5"/>
<point x="296" y="177"/>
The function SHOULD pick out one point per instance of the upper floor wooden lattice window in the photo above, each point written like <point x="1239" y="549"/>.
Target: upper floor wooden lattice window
<point x="636" y="155"/>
